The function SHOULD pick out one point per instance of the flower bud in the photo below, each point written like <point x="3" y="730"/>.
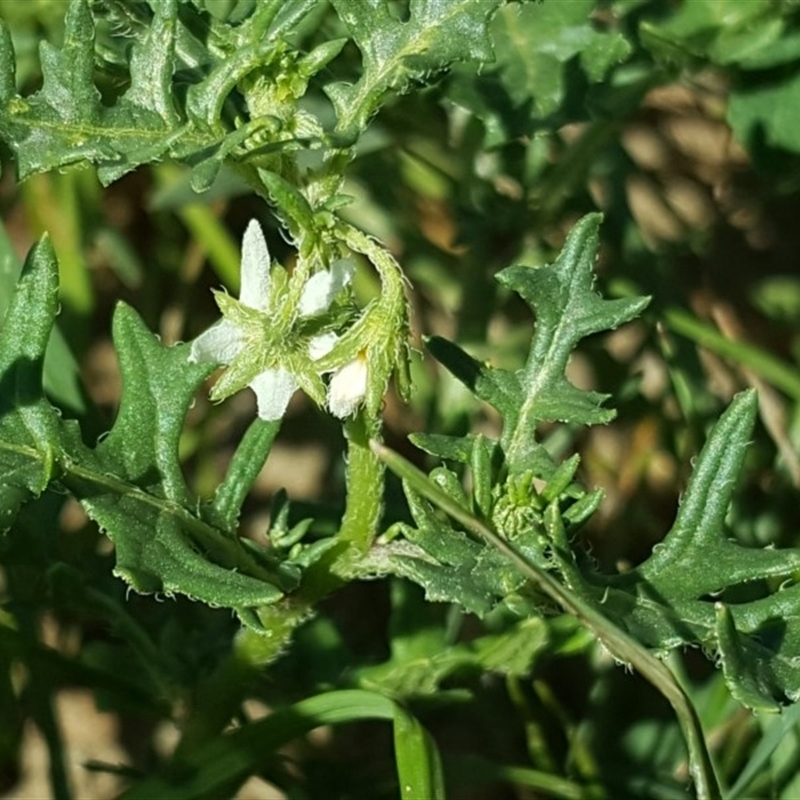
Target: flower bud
<point x="348" y="387"/>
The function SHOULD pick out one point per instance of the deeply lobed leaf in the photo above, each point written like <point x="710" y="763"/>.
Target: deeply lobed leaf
<point x="131" y="483"/>
<point x="682" y="594"/>
<point x="437" y="34"/>
<point x="677" y="596"/>
<point x="162" y="543"/>
<point x="567" y="309"/>
<point x="66" y="122"/>
<point x="244" y="84"/>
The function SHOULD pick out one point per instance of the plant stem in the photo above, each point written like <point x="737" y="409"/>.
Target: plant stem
<point x="359" y="527"/>
<point x="364" y="486"/>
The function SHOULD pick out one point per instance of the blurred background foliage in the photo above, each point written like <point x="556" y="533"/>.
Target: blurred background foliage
<point x="681" y="122"/>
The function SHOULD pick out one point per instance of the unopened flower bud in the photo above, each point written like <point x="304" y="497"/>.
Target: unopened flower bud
<point x="348" y="387"/>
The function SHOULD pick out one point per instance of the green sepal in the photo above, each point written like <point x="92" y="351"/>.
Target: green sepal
<point x="292" y="206"/>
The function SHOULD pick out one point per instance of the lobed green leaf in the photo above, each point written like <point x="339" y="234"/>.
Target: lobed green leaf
<point x="567" y="309"/>
<point x="697" y="587"/>
<point x="30" y="449"/>
<point x="133" y="486"/>
<point x="131" y="483"/>
<point x="680" y="594"/>
<point x="67" y="122"/>
<point x="395" y="53"/>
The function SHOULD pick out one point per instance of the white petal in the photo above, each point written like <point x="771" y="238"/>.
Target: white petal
<point x="322" y="345"/>
<point x="220" y="344"/>
<point x="348" y="388"/>
<point x="274" y="389"/>
<point x="322" y="287"/>
<point x="316" y="295"/>
<point x="255" y="268"/>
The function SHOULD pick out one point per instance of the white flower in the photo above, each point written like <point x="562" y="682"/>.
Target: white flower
<point x="261" y="337"/>
<point x="348" y="387"/>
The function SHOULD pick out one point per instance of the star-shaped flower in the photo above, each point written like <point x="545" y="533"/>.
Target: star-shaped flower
<point x="271" y="337"/>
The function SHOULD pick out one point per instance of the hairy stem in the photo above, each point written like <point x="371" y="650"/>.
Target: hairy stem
<point x="359" y="527"/>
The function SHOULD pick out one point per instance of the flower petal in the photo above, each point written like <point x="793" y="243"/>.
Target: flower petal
<point x="322" y="345"/>
<point x="220" y="344"/>
<point x="348" y="388"/>
<point x="274" y="389"/>
<point x="255" y="268"/>
<point x="322" y="287"/>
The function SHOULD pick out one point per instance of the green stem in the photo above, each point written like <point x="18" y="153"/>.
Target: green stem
<point x="217" y="698"/>
<point x="360" y="525"/>
<point x="364" y="487"/>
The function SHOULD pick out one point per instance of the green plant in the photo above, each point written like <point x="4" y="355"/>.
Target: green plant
<point x="293" y="103"/>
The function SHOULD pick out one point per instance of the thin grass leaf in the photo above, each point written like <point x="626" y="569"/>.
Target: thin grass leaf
<point x="419" y="767"/>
